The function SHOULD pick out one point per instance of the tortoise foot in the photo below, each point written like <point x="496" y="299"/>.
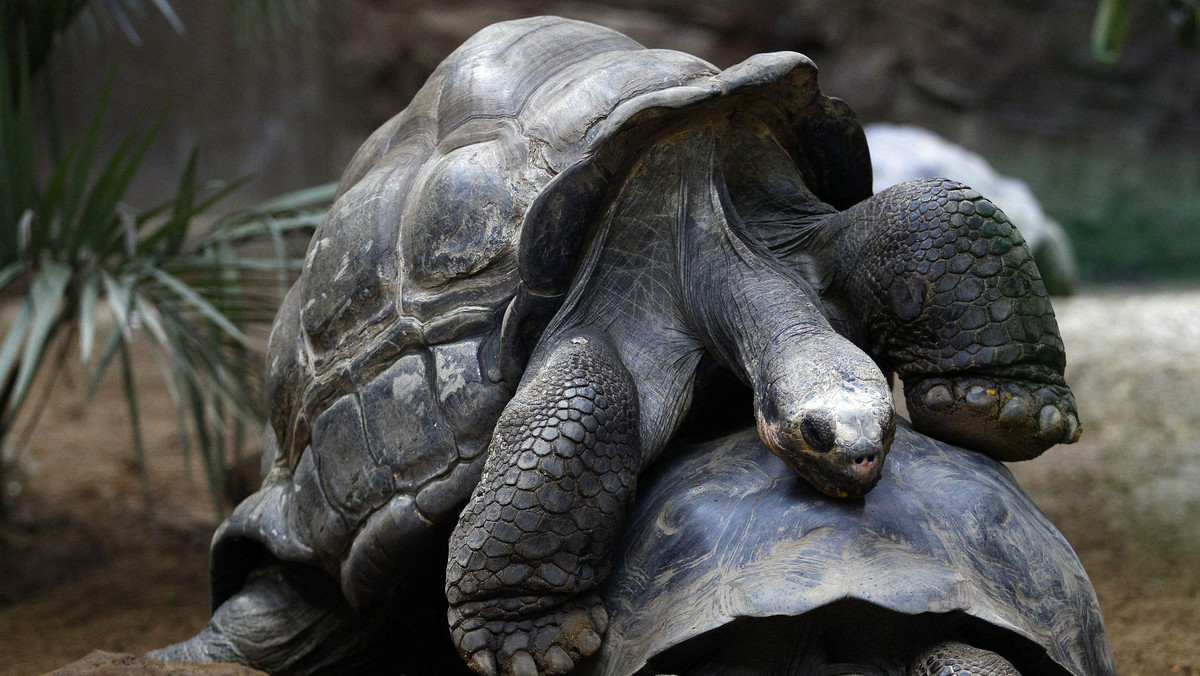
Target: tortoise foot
<point x="497" y="638"/>
<point x="1006" y="418"/>
<point x="951" y="658"/>
<point x="532" y="545"/>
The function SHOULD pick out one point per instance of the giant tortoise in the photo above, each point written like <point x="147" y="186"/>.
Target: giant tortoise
<point x="561" y="239"/>
<point x="730" y="565"/>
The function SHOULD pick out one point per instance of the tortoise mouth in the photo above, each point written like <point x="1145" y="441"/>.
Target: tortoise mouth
<point x="846" y="473"/>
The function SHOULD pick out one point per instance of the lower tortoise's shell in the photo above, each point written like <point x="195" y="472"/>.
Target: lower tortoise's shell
<point x="728" y="533"/>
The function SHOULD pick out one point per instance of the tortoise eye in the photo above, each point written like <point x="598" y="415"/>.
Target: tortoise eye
<point x="818" y="432"/>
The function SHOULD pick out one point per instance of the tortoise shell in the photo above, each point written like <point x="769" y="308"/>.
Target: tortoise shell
<point x="457" y="229"/>
<point x="728" y="553"/>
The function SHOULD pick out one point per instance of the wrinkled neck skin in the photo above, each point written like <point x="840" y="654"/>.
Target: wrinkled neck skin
<point x="747" y="308"/>
<point x="821" y="404"/>
<point x="781" y="214"/>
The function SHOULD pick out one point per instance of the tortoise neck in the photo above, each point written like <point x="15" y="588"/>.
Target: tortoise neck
<point x="770" y="195"/>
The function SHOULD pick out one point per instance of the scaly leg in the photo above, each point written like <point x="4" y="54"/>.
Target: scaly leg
<point x="936" y="284"/>
<point x="951" y="658"/>
<point x="532" y="545"/>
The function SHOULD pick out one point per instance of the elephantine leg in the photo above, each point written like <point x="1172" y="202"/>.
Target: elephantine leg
<point x="936" y="284"/>
<point x="951" y="658"/>
<point x="283" y="621"/>
<point x="532" y="545"/>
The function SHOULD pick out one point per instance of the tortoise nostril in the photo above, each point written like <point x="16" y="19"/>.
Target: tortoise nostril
<point x="865" y="462"/>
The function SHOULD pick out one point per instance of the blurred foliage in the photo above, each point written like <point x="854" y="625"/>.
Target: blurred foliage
<point x="1136" y="234"/>
<point x="91" y="274"/>
<point x="1108" y="30"/>
<point x="1185" y="14"/>
<point x="253" y="18"/>
<point x="1112" y="19"/>
<point x="42" y="24"/>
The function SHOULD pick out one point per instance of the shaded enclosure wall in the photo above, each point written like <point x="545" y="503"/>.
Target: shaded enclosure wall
<point x="1111" y="151"/>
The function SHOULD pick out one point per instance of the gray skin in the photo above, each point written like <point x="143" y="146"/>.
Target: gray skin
<point x="730" y="565"/>
<point x="935" y="283"/>
<point x="555" y="184"/>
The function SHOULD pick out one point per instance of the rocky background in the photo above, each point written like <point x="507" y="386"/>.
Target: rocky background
<point x="1110" y="150"/>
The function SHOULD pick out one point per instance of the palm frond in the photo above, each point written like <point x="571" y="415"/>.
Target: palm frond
<point x="32" y="28"/>
<point x="46" y="299"/>
<point x="79" y="254"/>
<point x="192" y="295"/>
<point x="98" y="17"/>
<point x="17" y="129"/>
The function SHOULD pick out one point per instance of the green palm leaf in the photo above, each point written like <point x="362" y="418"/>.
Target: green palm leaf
<point x="46" y="299"/>
<point x="79" y="255"/>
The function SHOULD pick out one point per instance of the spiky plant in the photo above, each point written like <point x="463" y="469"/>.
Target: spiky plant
<point x="72" y="252"/>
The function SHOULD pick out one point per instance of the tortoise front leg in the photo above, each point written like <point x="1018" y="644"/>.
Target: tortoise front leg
<point x="951" y="658"/>
<point x="532" y="545"/>
<point x="936" y="284"/>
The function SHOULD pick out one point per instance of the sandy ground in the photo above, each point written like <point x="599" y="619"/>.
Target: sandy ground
<point x="86" y="566"/>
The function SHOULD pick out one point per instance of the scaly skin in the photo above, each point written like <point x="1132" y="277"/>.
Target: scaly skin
<point x="951" y="658"/>
<point x="934" y="282"/>
<point x="667" y="278"/>
<point x="539" y="529"/>
<point x="522" y="583"/>
<point x="938" y="285"/>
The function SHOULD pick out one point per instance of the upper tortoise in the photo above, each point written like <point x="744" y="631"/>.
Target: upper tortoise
<point x="536" y="258"/>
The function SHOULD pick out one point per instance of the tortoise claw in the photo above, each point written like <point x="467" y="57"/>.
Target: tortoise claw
<point x="939" y="398"/>
<point x="523" y="645"/>
<point x="1050" y="419"/>
<point x="1071" y="435"/>
<point x="1017" y="408"/>
<point x="483" y="663"/>
<point x="558" y="661"/>
<point x="1006" y="418"/>
<point x="522" y="664"/>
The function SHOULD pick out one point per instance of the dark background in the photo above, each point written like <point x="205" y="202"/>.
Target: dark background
<point x="1110" y="150"/>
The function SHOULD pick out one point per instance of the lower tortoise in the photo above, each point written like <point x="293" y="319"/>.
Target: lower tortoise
<point x="731" y="566"/>
<point x="528" y="275"/>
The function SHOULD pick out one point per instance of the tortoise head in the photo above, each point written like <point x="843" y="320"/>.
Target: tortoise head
<point x="822" y="405"/>
<point x="829" y="417"/>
